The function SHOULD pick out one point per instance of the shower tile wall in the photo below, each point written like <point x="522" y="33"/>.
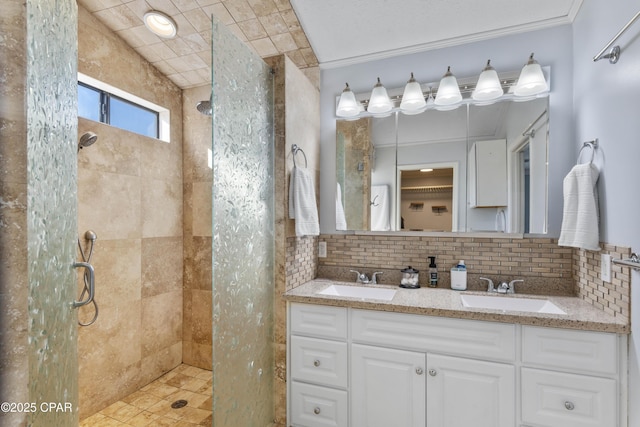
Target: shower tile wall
<point x="130" y="193"/>
<point x="198" y="179"/>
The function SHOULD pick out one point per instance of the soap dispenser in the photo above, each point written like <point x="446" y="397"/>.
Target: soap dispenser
<point x="433" y="273"/>
<point x="459" y="277"/>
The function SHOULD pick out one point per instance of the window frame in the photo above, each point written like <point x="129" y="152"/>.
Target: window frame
<point x="163" y="114"/>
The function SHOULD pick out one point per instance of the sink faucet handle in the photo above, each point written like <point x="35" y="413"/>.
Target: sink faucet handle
<point x="374" y="278"/>
<point x="362" y="278"/>
<point x="490" y="287"/>
<point x="512" y="285"/>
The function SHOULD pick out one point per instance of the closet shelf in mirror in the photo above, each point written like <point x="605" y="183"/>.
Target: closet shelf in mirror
<point x="429" y="189"/>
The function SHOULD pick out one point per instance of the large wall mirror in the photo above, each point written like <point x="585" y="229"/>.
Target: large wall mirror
<point x="476" y="168"/>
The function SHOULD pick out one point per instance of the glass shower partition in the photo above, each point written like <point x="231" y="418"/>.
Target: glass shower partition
<point x="243" y="234"/>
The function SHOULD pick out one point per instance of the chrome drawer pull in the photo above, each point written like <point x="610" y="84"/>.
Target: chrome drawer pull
<point x="433" y="372"/>
<point x="419" y="371"/>
<point x="569" y="405"/>
<point x="316" y="410"/>
<point x="316" y="363"/>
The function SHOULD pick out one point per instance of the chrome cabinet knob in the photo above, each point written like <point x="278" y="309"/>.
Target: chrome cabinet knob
<point x="419" y="371"/>
<point x="433" y="372"/>
<point x="569" y="405"/>
<point x="316" y="410"/>
<point x="316" y="363"/>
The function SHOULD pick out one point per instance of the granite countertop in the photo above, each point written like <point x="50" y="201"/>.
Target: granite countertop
<point x="446" y="303"/>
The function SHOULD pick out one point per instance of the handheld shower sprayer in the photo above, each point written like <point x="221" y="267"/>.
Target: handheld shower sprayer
<point x="89" y="285"/>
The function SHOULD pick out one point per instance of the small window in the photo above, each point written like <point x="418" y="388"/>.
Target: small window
<point x="103" y="103"/>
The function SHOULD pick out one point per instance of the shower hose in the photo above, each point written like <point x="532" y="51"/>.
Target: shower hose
<point x="91" y="236"/>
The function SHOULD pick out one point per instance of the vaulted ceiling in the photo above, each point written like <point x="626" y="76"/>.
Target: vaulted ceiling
<point x="313" y="32"/>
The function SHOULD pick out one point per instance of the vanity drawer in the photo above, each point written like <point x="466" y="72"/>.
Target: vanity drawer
<point x="314" y="406"/>
<point x="319" y="361"/>
<point x="583" y="351"/>
<point x="319" y="320"/>
<point x="558" y="399"/>
<point x="469" y="338"/>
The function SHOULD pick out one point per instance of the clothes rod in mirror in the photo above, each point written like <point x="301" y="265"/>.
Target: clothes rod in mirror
<point x="450" y="93"/>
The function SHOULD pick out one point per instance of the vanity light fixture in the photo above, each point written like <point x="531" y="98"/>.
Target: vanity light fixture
<point x="160" y="24"/>
<point x="448" y="90"/>
<point x="347" y="105"/>
<point x="413" y="101"/>
<point x="531" y="81"/>
<point x="379" y="102"/>
<point x="488" y="87"/>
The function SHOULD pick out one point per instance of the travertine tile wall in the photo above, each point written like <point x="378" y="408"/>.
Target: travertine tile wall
<point x="130" y="194"/>
<point x="14" y="280"/>
<point x="198" y="181"/>
<point x="613" y="298"/>
<point x="297" y="120"/>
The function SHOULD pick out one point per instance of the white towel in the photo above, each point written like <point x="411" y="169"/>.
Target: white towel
<point x="302" y="203"/>
<point x="341" y="219"/>
<point x="380" y="208"/>
<point x="580" y="212"/>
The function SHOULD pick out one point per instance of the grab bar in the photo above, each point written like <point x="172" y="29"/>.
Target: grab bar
<point x="633" y="262"/>
<point x="614" y="55"/>
<point x="92" y="283"/>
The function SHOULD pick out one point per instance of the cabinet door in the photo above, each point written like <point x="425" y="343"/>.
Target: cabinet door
<point x="466" y="392"/>
<point x="387" y="387"/>
<point x="488" y="174"/>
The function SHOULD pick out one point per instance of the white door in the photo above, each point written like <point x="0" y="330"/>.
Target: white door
<point x="466" y="392"/>
<point x="387" y="387"/>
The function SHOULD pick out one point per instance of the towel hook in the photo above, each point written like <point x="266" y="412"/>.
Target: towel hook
<point x="294" y="150"/>
<point x="589" y="144"/>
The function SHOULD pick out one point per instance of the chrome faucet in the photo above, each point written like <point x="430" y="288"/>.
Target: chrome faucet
<point x="364" y="279"/>
<point x="502" y="288"/>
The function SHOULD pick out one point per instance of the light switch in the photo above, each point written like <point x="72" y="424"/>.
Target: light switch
<point x="322" y="249"/>
<point x="605" y="268"/>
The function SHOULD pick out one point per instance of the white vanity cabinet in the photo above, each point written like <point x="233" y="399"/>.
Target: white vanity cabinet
<point x="318" y="366"/>
<point x="570" y="378"/>
<point x="364" y="368"/>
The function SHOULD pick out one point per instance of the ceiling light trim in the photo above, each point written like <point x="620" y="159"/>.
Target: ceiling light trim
<point x="160" y="24"/>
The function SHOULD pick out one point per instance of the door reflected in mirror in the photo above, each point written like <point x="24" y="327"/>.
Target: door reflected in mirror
<point x="426" y="199"/>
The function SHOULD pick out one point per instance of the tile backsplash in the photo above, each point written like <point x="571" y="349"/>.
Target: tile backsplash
<point x="547" y="269"/>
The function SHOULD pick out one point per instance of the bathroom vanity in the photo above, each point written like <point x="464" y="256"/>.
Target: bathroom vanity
<point x="423" y="359"/>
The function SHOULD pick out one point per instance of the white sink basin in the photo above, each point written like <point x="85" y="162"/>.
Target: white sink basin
<point x="359" y="292"/>
<point x="510" y="304"/>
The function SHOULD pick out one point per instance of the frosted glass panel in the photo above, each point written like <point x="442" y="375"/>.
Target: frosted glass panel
<point x="243" y="235"/>
<point x="52" y="209"/>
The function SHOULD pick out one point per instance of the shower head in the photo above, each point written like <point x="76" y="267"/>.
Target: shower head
<point x="204" y="107"/>
<point x="87" y="139"/>
<point x="90" y="235"/>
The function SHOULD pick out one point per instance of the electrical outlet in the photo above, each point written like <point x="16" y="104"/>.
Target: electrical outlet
<point x="322" y="249"/>
<point x="605" y="268"/>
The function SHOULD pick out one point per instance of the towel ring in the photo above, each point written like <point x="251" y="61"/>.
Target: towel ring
<point x="294" y="150"/>
<point x="589" y="144"/>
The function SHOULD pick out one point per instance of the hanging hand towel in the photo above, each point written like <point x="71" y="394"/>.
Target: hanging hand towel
<point x="580" y="212"/>
<point x="302" y="203"/>
<point x="341" y="220"/>
<point x="380" y="208"/>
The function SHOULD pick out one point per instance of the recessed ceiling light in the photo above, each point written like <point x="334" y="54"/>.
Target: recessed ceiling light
<point x="160" y="24"/>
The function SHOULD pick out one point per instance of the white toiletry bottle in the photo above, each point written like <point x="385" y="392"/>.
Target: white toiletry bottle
<point x="459" y="276"/>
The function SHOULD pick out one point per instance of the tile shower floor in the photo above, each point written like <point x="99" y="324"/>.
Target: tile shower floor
<point x="151" y="405"/>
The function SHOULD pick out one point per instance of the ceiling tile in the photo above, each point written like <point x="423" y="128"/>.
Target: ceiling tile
<point x="220" y="12"/>
<point x="199" y="19"/>
<point x="252" y="29"/>
<point x="263" y="7"/>
<point x="186" y="5"/>
<point x="118" y="18"/>
<point x="284" y="42"/>
<point x="239" y="9"/>
<point x="273" y="24"/>
<point x="264" y="47"/>
<point x="165" y="6"/>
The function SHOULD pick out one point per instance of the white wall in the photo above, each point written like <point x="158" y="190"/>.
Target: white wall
<point x="552" y="47"/>
<point x="607" y="107"/>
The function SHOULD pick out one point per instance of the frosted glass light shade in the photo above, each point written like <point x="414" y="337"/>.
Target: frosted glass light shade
<point x="347" y="105"/>
<point x="448" y="91"/>
<point x="412" y="99"/>
<point x="379" y="101"/>
<point x="531" y="81"/>
<point x="488" y="87"/>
